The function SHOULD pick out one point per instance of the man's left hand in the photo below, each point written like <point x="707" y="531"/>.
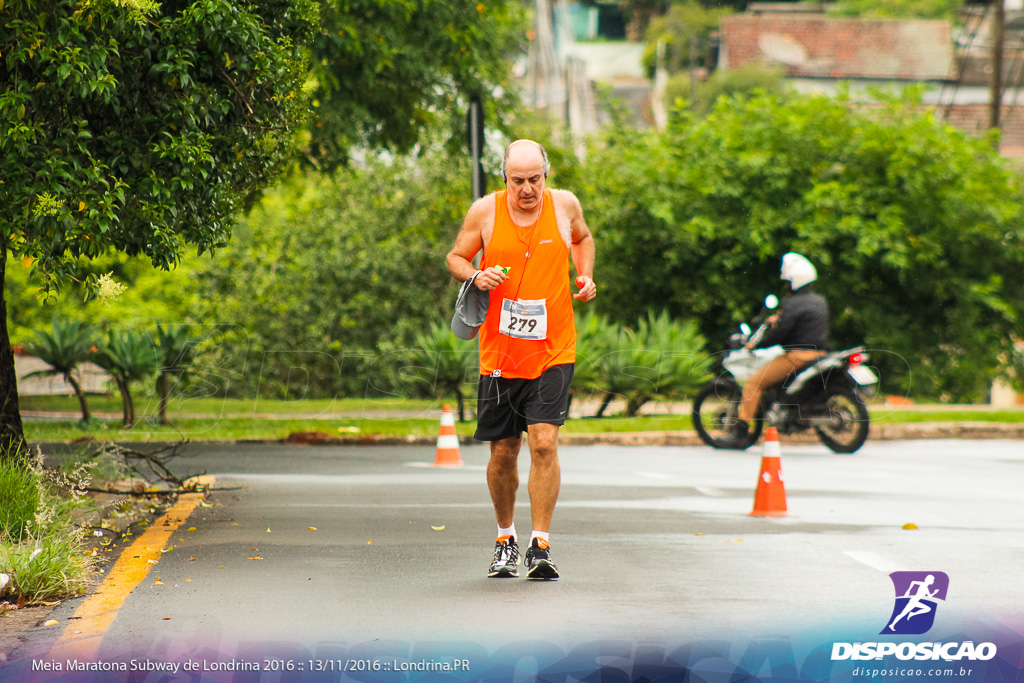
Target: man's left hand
<point x="588" y="290"/>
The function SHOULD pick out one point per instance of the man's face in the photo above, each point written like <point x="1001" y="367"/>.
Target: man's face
<point x="524" y="171"/>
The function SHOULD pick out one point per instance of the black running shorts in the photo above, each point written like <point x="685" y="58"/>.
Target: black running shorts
<point x="507" y="406"/>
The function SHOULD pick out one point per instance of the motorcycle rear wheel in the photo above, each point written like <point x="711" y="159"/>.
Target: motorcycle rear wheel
<point x="715" y="410"/>
<point x="850" y="421"/>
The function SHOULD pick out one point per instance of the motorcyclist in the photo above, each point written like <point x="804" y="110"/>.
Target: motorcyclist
<point x="800" y="327"/>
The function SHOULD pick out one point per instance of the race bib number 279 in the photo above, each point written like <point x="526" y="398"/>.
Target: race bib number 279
<point x="524" y="319"/>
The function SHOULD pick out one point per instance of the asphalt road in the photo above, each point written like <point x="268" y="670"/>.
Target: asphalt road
<point x="655" y="545"/>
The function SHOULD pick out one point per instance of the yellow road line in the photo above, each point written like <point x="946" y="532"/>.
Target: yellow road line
<point x="81" y="639"/>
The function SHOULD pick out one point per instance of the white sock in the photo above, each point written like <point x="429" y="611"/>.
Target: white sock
<point x="511" y="531"/>
<point x="542" y="535"/>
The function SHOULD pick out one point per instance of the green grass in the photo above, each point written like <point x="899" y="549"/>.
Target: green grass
<point x="42" y="555"/>
<point x="884" y="415"/>
<point x="19" y="497"/>
<point x="242" y="419"/>
<point x="227" y="407"/>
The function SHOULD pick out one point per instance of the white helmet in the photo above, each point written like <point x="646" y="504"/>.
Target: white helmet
<point x="798" y="270"/>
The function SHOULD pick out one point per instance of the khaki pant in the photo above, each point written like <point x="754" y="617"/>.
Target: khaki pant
<point x="775" y="371"/>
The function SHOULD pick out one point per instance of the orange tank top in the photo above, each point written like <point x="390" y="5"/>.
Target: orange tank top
<point x="538" y="260"/>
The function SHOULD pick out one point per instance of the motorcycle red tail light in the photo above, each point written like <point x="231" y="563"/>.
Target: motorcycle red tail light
<point x="856" y="359"/>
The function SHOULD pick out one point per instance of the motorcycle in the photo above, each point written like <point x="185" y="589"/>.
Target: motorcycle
<point x="828" y="396"/>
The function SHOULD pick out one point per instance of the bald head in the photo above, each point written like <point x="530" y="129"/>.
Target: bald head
<point x="524" y="155"/>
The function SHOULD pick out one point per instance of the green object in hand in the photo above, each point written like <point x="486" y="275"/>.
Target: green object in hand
<point x="504" y="269"/>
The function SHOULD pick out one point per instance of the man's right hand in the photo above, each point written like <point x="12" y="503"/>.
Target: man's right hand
<point x="490" y="278"/>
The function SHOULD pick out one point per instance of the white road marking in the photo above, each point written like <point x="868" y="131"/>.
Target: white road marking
<point x="654" y="475"/>
<point x="874" y="560"/>
<point x="712" y="492"/>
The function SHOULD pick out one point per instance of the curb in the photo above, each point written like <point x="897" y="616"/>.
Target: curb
<point x="900" y="432"/>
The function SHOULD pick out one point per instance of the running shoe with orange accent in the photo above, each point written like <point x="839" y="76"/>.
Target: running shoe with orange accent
<point x="506" y="558"/>
<point x="538" y="561"/>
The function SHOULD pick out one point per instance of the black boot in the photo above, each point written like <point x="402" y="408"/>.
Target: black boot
<point x="738" y="436"/>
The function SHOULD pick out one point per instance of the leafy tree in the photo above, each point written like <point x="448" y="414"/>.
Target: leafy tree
<point x="899" y="9"/>
<point x="152" y="295"/>
<point x="914" y="226"/>
<point x="742" y="80"/>
<point x="684" y="31"/>
<point x="444" y="365"/>
<point x="128" y="357"/>
<point x="385" y="71"/>
<point x="334" y="275"/>
<point x="64" y="348"/>
<point x="138" y="127"/>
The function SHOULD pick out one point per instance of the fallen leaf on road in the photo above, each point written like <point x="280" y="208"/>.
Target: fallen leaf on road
<point x="736" y="540"/>
<point x="369" y="542"/>
<point x="311" y="528"/>
<point x="158" y="582"/>
<point x="51" y="622"/>
<point x="187" y="580"/>
<point x="697" y="533"/>
<point x="167" y="550"/>
<point x="191" y="559"/>
<point x="268" y="529"/>
<point x="909" y="525"/>
<point x="257" y="557"/>
<point x="438" y="528"/>
<point x="222" y="567"/>
<point x="167" y="618"/>
<point x="191" y="528"/>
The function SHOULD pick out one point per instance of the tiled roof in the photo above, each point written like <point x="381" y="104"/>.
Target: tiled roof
<point x="822" y="47"/>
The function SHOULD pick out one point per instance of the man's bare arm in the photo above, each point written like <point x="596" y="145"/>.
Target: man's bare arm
<point x="469" y="242"/>
<point x="581" y="248"/>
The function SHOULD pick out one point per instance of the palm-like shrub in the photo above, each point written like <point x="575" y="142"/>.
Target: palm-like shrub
<point x="177" y="351"/>
<point x="661" y="358"/>
<point x="445" y="364"/>
<point x="128" y="357"/>
<point x="64" y="348"/>
<point x="670" y="363"/>
<point x="592" y="330"/>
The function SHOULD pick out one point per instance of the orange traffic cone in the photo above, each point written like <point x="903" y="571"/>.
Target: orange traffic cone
<point x="770" y="497"/>
<point x="447" y="441"/>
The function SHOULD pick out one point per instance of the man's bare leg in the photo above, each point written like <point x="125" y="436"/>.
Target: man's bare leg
<point x="545" y="474"/>
<point x="503" y="478"/>
<point x="545" y="482"/>
<point x="503" y="482"/>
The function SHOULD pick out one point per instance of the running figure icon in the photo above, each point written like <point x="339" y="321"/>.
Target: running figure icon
<point x="915" y="606"/>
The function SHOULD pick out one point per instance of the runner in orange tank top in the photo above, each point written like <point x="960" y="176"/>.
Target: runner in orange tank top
<point x="527" y="341"/>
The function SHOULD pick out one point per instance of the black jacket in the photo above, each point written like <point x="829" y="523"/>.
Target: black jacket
<point x="802" y="323"/>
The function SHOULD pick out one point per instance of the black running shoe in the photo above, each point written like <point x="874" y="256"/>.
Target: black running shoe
<point x="506" y="558"/>
<point x="538" y="561"/>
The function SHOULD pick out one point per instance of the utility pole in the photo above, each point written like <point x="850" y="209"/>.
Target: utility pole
<point x="998" y="29"/>
<point x="475" y="131"/>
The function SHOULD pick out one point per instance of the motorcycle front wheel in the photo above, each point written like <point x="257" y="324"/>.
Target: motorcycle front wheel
<point x="846" y="428"/>
<point x="715" y="411"/>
